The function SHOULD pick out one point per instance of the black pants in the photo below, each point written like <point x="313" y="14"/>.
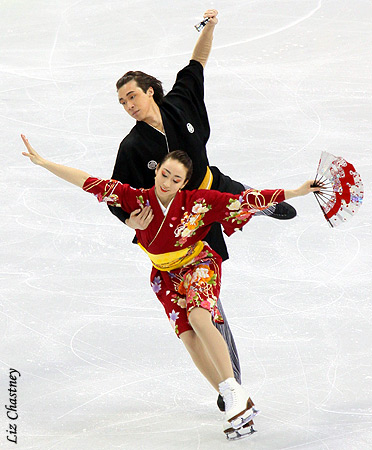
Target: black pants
<point x="224" y="329"/>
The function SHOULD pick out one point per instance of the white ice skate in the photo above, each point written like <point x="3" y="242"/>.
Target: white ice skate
<point x="244" y="431"/>
<point x="239" y="410"/>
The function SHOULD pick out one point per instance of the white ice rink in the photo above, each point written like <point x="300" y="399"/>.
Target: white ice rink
<point x="100" y="365"/>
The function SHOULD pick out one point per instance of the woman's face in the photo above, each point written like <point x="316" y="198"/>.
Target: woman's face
<point x="169" y="179"/>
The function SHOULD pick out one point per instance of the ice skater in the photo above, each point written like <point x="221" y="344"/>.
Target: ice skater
<point x="186" y="273"/>
<point x="178" y="120"/>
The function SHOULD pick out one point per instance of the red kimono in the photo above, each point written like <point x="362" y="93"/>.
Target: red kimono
<point x="186" y="271"/>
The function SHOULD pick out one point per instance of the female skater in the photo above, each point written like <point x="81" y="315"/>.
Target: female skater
<point x="186" y="273"/>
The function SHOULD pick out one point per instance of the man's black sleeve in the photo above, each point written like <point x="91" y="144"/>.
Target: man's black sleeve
<point x="119" y="174"/>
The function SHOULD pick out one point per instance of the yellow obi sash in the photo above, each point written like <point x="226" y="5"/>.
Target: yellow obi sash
<point x="174" y="260"/>
<point x="179" y="258"/>
<point x="208" y="180"/>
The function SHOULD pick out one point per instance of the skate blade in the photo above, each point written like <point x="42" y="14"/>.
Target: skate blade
<point x="234" y="435"/>
<point x="244" y="419"/>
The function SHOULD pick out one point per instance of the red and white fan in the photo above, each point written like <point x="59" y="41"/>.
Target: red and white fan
<point x="341" y="191"/>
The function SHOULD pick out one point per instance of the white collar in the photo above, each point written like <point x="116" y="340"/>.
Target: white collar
<point x="163" y="208"/>
<point x="161" y="132"/>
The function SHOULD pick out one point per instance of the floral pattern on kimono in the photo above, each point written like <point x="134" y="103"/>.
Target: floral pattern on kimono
<point x="171" y="240"/>
<point x="252" y="201"/>
<point x="181" y="290"/>
<point x="190" y="222"/>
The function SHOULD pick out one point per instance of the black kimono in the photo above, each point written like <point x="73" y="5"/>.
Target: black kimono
<point x="186" y="125"/>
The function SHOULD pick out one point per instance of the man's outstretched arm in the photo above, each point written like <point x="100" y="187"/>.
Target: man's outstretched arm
<point x="203" y="45"/>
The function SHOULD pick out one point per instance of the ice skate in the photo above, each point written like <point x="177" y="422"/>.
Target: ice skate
<point x="281" y="211"/>
<point x="244" y="431"/>
<point x="239" y="409"/>
<point x="221" y="403"/>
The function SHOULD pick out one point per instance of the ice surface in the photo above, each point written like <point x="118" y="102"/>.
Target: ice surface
<point x="100" y="366"/>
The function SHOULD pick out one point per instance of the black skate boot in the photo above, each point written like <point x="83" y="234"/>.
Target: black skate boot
<point x="283" y="211"/>
<point x="221" y="403"/>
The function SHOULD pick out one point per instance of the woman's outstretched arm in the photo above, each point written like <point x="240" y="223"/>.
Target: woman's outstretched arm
<point x="74" y="176"/>
<point x="304" y="189"/>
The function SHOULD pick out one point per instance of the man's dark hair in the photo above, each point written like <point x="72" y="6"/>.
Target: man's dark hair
<point x="183" y="158"/>
<point x="144" y="81"/>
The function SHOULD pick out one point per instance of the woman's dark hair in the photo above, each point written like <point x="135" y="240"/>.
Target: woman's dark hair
<point x="144" y="81"/>
<point x="183" y="158"/>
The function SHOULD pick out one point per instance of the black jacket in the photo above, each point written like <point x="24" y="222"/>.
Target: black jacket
<point x="186" y="125"/>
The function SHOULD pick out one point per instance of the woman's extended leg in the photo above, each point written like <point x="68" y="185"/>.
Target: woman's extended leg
<point x="201" y="357"/>
<point x="211" y="338"/>
<point x="239" y="407"/>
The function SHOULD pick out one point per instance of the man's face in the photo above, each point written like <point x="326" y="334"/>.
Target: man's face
<point x="136" y="102"/>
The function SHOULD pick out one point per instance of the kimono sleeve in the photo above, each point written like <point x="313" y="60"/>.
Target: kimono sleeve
<point x="114" y="193"/>
<point x="235" y="211"/>
<point x="187" y="94"/>
<point x="190" y="82"/>
<point x="123" y="171"/>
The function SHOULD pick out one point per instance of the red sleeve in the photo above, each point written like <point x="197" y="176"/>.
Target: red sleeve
<point x="241" y="208"/>
<point x="115" y="193"/>
<point x="233" y="211"/>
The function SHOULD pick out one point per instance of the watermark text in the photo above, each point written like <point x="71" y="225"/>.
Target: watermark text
<point x="11" y="407"/>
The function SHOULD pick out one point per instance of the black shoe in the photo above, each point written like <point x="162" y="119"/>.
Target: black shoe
<point x="221" y="403"/>
<point x="283" y="211"/>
